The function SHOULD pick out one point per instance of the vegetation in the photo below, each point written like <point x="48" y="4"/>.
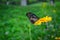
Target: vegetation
<point x="14" y="25"/>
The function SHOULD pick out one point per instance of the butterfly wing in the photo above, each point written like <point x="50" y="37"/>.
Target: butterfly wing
<point x="32" y="17"/>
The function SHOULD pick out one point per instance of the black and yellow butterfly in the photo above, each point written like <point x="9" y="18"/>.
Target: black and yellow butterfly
<point x="36" y="20"/>
<point x="32" y="17"/>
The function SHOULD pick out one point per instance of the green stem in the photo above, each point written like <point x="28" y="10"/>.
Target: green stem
<point x="30" y="33"/>
<point x="46" y="24"/>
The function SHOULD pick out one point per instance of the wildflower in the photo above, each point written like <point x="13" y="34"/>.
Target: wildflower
<point x="48" y="18"/>
<point x="41" y="20"/>
<point x="38" y="22"/>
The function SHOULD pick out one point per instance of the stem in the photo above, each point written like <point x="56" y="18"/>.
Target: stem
<point x="46" y="24"/>
<point x="30" y="33"/>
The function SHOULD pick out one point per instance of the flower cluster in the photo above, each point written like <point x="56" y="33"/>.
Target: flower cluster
<point x="41" y="20"/>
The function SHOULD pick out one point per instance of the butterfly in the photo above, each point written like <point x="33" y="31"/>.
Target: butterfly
<point x="32" y="17"/>
<point x="36" y="20"/>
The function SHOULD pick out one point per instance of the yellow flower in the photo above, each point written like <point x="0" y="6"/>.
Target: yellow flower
<point x="41" y="20"/>
<point x="38" y="22"/>
<point x="48" y="18"/>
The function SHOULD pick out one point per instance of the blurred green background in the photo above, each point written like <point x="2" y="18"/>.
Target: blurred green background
<point x="14" y="25"/>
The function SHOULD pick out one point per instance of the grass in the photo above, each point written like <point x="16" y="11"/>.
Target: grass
<point x="14" y="25"/>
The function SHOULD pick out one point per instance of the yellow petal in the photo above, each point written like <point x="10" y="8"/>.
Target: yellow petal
<point x="37" y="23"/>
<point x="41" y="20"/>
<point x="48" y="18"/>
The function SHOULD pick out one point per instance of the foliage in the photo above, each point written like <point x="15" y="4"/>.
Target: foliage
<point x="14" y="25"/>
